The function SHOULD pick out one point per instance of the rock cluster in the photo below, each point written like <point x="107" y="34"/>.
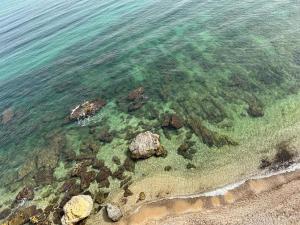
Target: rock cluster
<point x="78" y="208"/>
<point x="86" y="109"/>
<point x="146" y="145"/>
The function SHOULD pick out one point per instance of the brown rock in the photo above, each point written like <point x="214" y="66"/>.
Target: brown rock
<point x="119" y="173"/>
<point x="86" y="178"/>
<point x="172" y="121"/>
<point x="79" y="169"/>
<point x="27" y="193"/>
<point x="127" y="192"/>
<point x="71" y="187"/>
<point x="129" y="164"/>
<point x="98" y="164"/>
<point x="103" y="174"/>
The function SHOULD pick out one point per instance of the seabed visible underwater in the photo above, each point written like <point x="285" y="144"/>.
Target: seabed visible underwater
<point x="229" y="70"/>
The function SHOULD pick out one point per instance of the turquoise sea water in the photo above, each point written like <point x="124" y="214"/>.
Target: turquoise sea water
<point x="203" y="60"/>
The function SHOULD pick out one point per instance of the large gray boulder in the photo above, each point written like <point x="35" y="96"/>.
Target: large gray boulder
<point x="146" y="145"/>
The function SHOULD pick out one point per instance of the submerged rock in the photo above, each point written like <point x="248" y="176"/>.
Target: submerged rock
<point x="136" y="94"/>
<point x="129" y="164"/>
<point x="7" y="115"/>
<point x="186" y="150"/>
<point x="87" y="178"/>
<point x="86" y="109"/>
<point x="27" y="168"/>
<point x="255" y="109"/>
<point x="78" y="208"/>
<point x="113" y="212"/>
<point x="146" y="145"/>
<point x="136" y="99"/>
<point x="105" y="136"/>
<point x="172" y="121"/>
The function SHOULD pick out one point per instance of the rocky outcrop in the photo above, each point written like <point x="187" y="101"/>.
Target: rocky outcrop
<point x="113" y="212"/>
<point x="146" y="145"/>
<point x="86" y="109"/>
<point x="78" y="208"/>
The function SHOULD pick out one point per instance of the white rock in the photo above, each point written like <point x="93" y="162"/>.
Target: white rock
<point x="145" y="145"/>
<point x="78" y="208"/>
<point x="113" y="212"/>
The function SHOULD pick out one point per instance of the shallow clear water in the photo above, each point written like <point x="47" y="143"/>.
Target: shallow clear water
<point x="205" y="61"/>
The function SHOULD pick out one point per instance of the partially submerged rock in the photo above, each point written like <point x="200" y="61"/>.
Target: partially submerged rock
<point x="146" y="145"/>
<point x="113" y="212"/>
<point x="78" y="208"/>
<point x="86" y="109"/>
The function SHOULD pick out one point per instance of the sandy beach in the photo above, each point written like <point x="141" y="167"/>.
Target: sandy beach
<point x="272" y="199"/>
<point x="275" y="207"/>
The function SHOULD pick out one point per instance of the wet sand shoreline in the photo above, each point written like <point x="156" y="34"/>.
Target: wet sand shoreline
<point x="174" y="209"/>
